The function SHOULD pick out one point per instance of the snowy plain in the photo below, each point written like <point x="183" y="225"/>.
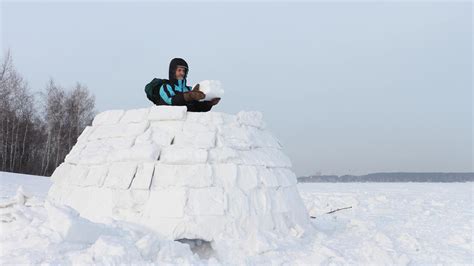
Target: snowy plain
<point x="388" y="223"/>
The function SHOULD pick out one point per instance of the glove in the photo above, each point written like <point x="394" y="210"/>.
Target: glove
<point x="215" y="101"/>
<point x="194" y="95"/>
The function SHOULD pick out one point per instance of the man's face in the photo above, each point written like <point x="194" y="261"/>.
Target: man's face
<point x="180" y="72"/>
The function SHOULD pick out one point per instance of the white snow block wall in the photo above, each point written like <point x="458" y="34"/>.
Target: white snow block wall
<point x="211" y="176"/>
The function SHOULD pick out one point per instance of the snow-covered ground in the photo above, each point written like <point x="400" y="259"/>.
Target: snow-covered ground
<point x="388" y="223"/>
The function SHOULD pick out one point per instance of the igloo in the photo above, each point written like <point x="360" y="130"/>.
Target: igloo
<point x="209" y="176"/>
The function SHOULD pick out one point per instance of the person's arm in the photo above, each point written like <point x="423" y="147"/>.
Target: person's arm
<point x="168" y="96"/>
<point x="197" y="106"/>
<point x="171" y="97"/>
<point x="203" y="106"/>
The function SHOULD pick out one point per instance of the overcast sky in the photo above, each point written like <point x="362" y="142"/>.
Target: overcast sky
<point x="348" y="88"/>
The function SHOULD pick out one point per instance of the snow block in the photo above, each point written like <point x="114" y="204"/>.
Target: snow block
<point x="268" y="177"/>
<point x="119" y="130"/>
<point x="67" y="222"/>
<point x="171" y="127"/>
<point x="78" y="174"/>
<point x="158" y="137"/>
<point x="167" y="203"/>
<point x="245" y="137"/>
<point x="120" y="175"/>
<point x="279" y="200"/>
<point x="143" y="152"/>
<point x="183" y="155"/>
<point x="285" y="176"/>
<point x="108" y="117"/>
<point x="75" y="154"/>
<point x="85" y="134"/>
<point x="97" y="151"/>
<point x="164" y="112"/>
<point x="269" y="157"/>
<point x="196" y="175"/>
<point x="197" y="139"/>
<point x="223" y="155"/>
<point x="205" y="119"/>
<point x="143" y="176"/>
<point x="135" y="116"/>
<point x="61" y="173"/>
<point x="96" y="176"/>
<point x="247" y="177"/>
<point x="225" y="175"/>
<point x="206" y="201"/>
<point x="251" y="118"/>
<point x="260" y="204"/>
<point x="212" y="89"/>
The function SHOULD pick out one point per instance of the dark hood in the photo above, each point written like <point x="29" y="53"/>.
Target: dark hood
<point x="173" y="65"/>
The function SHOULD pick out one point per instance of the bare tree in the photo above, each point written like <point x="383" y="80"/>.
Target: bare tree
<point x="33" y="141"/>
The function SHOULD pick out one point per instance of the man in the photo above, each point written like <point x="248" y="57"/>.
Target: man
<point x="175" y="91"/>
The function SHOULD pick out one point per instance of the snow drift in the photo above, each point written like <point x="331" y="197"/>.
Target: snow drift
<point x="209" y="176"/>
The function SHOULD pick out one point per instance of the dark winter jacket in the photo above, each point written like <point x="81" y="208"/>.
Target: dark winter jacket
<point x="171" y="92"/>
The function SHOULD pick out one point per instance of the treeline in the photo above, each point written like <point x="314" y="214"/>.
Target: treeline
<point x="392" y="177"/>
<point x="37" y="130"/>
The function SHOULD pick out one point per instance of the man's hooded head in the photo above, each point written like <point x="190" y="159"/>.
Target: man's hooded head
<point x="174" y="64"/>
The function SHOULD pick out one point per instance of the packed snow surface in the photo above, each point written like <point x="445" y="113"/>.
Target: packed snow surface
<point x="389" y="223"/>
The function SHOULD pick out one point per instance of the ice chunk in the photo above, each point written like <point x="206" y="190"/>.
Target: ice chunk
<point x="183" y="155"/>
<point x="108" y="117"/>
<point x="212" y="89"/>
<point x="197" y="175"/>
<point x="164" y="112"/>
